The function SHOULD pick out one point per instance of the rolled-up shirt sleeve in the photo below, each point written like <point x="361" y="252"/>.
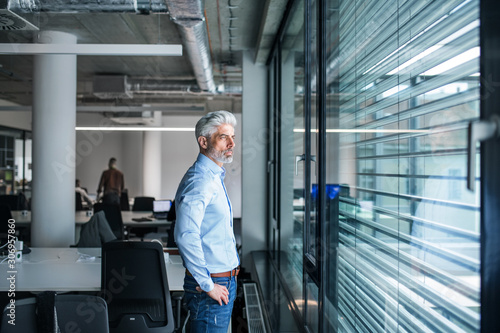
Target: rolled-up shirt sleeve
<point x="190" y="210"/>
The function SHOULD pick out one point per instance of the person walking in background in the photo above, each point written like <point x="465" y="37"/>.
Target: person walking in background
<point x="204" y="227"/>
<point x="111" y="184"/>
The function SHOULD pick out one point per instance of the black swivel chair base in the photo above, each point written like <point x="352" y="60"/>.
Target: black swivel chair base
<point x="134" y="323"/>
<point x="177" y="297"/>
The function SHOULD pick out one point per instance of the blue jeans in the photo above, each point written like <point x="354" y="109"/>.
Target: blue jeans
<point x="206" y="315"/>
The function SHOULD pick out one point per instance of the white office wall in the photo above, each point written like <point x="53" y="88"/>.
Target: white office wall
<point x="179" y="151"/>
<point x="94" y="149"/>
<point x="15" y="119"/>
<point x="131" y="162"/>
<point x="254" y="157"/>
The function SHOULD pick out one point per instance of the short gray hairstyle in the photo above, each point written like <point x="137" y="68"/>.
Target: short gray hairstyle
<point x="208" y="124"/>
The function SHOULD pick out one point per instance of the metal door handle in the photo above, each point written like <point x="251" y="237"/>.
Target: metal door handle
<point x="299" y="158"/>
<point x="481" y="130"/>
<point x="269" y="165"/>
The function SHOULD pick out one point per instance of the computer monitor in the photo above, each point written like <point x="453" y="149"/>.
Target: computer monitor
<point x="161" y="208"/>
<point x="332" y="190"/>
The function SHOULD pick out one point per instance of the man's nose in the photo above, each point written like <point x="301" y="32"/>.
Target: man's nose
<point x="231" y="142"/>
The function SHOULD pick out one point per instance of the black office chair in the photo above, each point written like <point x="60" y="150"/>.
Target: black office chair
<point x="96" y="231"/>
<point x="113" y="216"/>
<point x="124" y="205"/>
<point x="142" y="204"/>
<point x="135" y="285"/>
<point x="78" y="201"/>
<point x="15" y="201"/>
<point x="171" y="216"/>
<point x="75" y="313"/>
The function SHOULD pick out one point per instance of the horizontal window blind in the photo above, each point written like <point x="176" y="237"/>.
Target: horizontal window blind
<point x="407" y="74"/>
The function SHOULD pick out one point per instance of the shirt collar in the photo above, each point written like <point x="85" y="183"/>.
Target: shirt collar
<point x="205" y="161"/>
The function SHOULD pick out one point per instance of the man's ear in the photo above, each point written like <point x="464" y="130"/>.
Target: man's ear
<point x="202" y="141"/>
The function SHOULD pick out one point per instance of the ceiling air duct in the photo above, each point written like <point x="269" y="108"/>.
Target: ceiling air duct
<point x="188" y="14"/>
<point x="72" y="6"/>
<point x="111" y="87"/>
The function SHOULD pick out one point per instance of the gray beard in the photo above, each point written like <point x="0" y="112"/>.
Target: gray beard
<point x="219" y="155"/>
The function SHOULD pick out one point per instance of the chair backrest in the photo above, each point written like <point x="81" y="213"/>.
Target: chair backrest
<point x="135" y="286"/>
<point x="78" y="201"/>
<point x="143" y="204"/>
<point x="96" y="231"/>
<point x="5" y="216"/>
<point x="113" y="216"/>
<point x="124" y="205"/>
<point x="171" y="216"/>
<point x="75" y="313"/>
<point x="15" y="201"/>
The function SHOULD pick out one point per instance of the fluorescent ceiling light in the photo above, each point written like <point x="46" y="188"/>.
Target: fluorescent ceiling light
<point x="93" y="49"/>
<point x="111" y="108"/>
<point x="134" y="129"/>
<point x="339" y="130"/>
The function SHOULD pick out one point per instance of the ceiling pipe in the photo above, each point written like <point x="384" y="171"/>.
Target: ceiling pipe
<point x="188" y="15"/>
<point x="70" y="6"/>
<point x="137" y="85"/>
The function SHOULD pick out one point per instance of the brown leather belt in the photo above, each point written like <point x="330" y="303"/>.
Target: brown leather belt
<point x="234" y="272"/>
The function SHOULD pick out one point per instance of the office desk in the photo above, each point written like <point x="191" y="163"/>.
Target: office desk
<point x="71" y="269"/>
<point x="24" y="221"/>
<point x="21" y="220"/>
<point x="82" y="218"/>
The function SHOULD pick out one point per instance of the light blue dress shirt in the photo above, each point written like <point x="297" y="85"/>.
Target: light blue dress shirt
<point x="204" y="222"/>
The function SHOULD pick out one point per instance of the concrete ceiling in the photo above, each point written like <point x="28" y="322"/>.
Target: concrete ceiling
<point x="232" y="26"/>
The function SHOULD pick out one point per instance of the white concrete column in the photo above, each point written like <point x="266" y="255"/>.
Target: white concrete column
<point x="254" y="157"/>
<point x="152" y="160"/>
<point x="54" y="138"/>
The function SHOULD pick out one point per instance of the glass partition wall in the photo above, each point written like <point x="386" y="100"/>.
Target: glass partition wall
<point x="15" y="162"/>
<point x="376" y="230"/>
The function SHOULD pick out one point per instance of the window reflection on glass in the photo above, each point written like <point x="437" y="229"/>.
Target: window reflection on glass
<point x="404" y="85"/>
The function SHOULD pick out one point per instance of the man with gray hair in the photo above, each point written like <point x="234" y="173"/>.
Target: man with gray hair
<point x="204" y="227"/>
